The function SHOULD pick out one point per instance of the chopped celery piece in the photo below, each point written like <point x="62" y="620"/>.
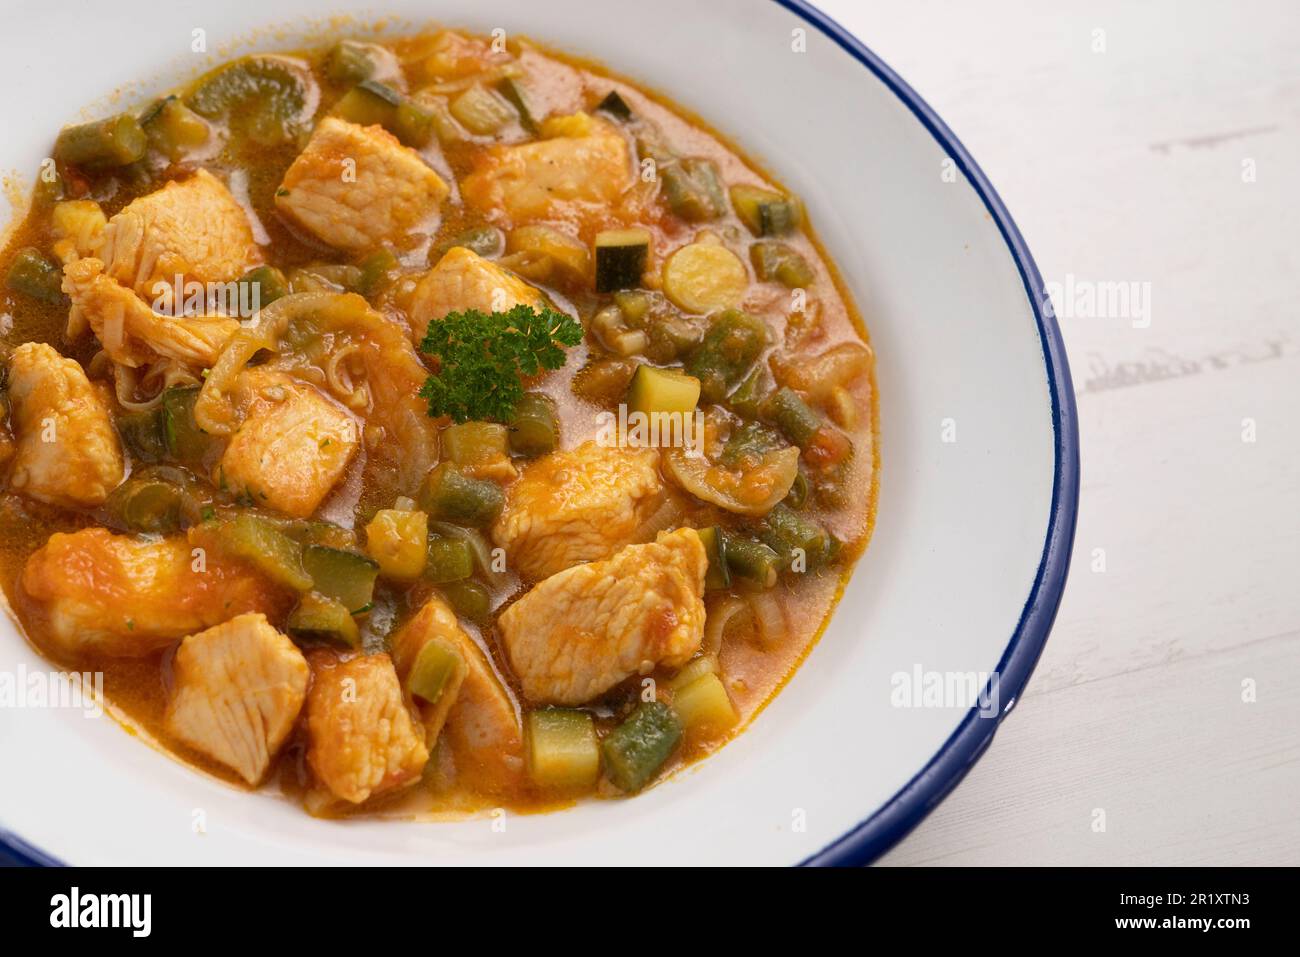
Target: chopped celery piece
<point x="104" y="144"/>
<point x="777" y="261"/>
<point x="717" y="577"/>
<point x="703" y="705"/>
<point x="728" y="351"/>
<point x="434" y="667"/>
<point x="636" y="750"/>
<point x="693" y="189"/>
<point x="534" y="427"/>
<point x="258" y="541"/>
<point x="469" y="599"/>
<point x="399" y="541"/>
<point x="481" y="111"/>
<point x="563" y="753"/>
<point x="347" y="577"/>
<point x="317" y="616"/>
<point x="449" y="496"/>
<point x="448" y="559"/>
<point x="764" y="212"/>
<point x="33" y="275"/>
<point x="662" y="390"/>
<point x="751" y="560"/>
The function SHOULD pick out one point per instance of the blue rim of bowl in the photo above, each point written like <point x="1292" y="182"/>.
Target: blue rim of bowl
<point x="906" y="809"/>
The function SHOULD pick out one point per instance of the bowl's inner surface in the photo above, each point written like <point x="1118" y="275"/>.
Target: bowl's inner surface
<point x="966" y="482"/>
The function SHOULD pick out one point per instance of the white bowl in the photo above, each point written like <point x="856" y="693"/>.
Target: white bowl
<point x="973" y="539"/>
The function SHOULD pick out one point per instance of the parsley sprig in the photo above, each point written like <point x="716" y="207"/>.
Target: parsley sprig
<point x="483" y="357"/>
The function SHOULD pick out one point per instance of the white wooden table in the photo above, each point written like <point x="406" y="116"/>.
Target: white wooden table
<point x="1156" y="143"/>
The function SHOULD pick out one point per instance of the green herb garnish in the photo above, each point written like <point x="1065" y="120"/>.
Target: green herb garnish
<point x="483" y="358"/>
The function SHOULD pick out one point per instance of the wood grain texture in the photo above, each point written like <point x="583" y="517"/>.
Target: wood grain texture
<point x="1168" y="158"/>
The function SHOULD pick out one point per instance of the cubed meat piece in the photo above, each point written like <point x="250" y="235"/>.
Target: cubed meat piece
<point x="128" y="597"/>
<point x="356" y="187"/>
<point x="582" y="631"/>
<point x="292" y="448"/>
<point x="578" y="506"/>
<point x="363" y="738"/>
<point x="237" y="690"/>
<point x="190" y="228"/>
<point x="67" y="450"/>
<point x="463" y="280"/>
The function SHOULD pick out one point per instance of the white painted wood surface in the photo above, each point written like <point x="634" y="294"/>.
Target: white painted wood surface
<point x="1153" y="143"/>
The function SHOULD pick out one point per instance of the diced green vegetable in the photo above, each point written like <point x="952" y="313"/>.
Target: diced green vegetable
<point x="615" y="106"/>
<point x="693" y="669"/>
<point x="185" y="441"/>
<point x="173" y="128"/>
<point x="636" y="750"/>
<point x="104" y="144"/>
<point x="262" y="544"/>
<point x="785" y="530"/>
<point x="369" y="103"/>
<point x="764" y="212"/>
<point x="620" y="258"/>
<point x="469" y="599"/>
<point x="799" y="491"/>
<point x="399" y="541"/>
<point x="449" y="559"/>
<point x="715" y="547"/>
<point x="793" y="416"/>
<point x="434" y="667"/>
<point x="563" y="753"/>
<point x="517" y="97"/>
<point x="486" y="241"/>
<point x="662" y="390"/>
<point x="147" y="505"/>
<point x="748" y="398"/>
<point x="703" y="705"/>
<point x="266" y="96"/>
<point x="751" y="560"/>
<point x="777" y="261"/>
<point x="347" y="577"/>
<point x="142" y="435"/>
<point x="413" y="124"/>
<point x="634" y="303"/>
<point x="729" y="349"/>
<point x="693" y="189"/>
<point x="481" y="111"/>
<point x="317" y="616"/>
<point x="605" y="380"/>
<point x="268" y="283"/>
<point x="351" y="61"/>
<point x="535" y="427"/>
<point x="447" y="495"/>
<point x="470" y="444"/>
<point x="33" y="275"/>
